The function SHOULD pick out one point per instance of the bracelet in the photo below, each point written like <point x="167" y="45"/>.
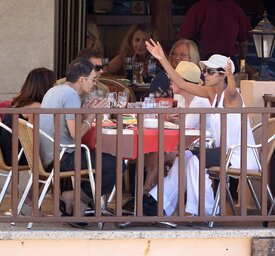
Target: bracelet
<point x="87" y="122"/>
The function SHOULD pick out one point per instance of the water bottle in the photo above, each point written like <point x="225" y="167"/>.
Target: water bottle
<point x="152" y="102"/>
<point x="149" y="102"/>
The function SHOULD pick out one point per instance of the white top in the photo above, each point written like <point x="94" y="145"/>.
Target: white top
<point x="193" y="120"/>
<point x="233" y="135"/>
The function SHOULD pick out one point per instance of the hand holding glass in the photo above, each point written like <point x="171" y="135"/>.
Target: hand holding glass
<point x="122" y="99"/>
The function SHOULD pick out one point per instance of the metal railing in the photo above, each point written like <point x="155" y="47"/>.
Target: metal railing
<point x="118" y="216"/>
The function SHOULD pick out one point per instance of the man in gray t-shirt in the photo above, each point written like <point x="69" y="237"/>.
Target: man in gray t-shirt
<point x="80" y="80"/>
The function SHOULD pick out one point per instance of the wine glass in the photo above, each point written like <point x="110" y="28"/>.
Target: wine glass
<point x="105" y="63"/>
<point x="112" y="98"/>
<point x="95" y="94"/>
<point x="122" y="99"/>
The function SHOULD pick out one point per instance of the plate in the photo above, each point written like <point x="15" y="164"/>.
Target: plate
<point x="171" y="126"/>
<point x="150" y="123"/>
<point x="129" y="120"/>
<point x="142" y="85"/>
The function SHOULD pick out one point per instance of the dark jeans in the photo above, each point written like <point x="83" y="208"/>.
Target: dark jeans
<point x="212" y="156"/>
<point x="108" y="171"/>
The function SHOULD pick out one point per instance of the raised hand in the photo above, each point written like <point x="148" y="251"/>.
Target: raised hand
<point x="155" y="49"/>
<point x="96" y="103"/>
<point x="228" y="68"/>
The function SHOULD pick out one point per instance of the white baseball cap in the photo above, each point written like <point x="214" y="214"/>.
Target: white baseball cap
<point x="217" y="61"/>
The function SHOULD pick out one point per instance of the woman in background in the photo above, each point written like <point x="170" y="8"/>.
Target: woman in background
<point x="133" y="45"/>
<point x="182" y="50"/>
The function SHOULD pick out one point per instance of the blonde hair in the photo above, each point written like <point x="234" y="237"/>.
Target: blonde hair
<point x="93" y="38"/>
<point x="126" y="48"/>
<point x="192" y="48"/>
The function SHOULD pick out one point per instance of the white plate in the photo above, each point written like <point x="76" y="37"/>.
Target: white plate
<point x="151" y="123"/>
<point x="171" y="126"/>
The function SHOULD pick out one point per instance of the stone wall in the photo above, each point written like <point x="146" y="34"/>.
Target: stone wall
<point x="26" y="41"/>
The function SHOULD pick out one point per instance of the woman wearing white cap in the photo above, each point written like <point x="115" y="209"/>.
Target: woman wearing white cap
<point x="221" y="94"/>
<point x="190" y="72"/>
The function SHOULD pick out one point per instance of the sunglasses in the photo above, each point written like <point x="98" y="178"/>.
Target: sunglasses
<point x="211" y="71"/>
<point x="98" y="67"/>
<point x="180" y="55"/>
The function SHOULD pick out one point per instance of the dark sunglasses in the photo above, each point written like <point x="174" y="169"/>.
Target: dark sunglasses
<point x="98" y="67"/>
<point x="212" y="71"/>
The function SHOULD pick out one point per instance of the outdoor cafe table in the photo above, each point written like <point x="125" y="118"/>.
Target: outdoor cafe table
<point x="130" y="140"/>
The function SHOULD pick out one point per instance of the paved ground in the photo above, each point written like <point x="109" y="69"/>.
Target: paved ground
<point x="158" y="227"/>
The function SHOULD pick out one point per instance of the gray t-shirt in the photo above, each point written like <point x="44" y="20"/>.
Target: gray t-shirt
<point x="60" y="96"/>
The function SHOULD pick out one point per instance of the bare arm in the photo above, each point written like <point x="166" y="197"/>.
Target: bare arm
<point x="156" y="50"/>
<point x="87" y="119"/>
<point x="232" y="96"/>
<point x="115" y="64"/>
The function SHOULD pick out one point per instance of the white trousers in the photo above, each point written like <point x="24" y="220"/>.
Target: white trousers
<point x="170" y="196"/>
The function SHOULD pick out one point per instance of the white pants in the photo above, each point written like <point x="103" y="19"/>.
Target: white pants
<point x="192" y="202"/>
<point x="170" y="196"/>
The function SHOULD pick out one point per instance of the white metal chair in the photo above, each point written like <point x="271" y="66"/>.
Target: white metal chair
<point x="214" y="172"/>
<point x="25" y="134"/>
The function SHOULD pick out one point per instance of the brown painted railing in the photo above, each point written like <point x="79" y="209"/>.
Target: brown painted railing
<point x="118" y="216"/>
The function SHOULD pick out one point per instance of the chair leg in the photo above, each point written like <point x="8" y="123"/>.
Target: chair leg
<point x="112" y="195"/>
<point x="5" y="186"/>
<point x="272" y="199"/>
<point x="254" y="195"/>
<point x="231" y="201"/>
<point x="24" y="196"/>
<point x="215" y="207"/>
<point x="25" y="193"/>
<point x="42" y="195"/>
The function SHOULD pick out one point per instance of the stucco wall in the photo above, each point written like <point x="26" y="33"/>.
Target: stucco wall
<point x="125" y="247"/>
<point x="26" y="41"/>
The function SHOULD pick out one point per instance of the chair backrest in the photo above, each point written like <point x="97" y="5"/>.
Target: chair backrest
<point x="271" y="133"/>
<point x="25" y="134"/>
<point x="60" y="81"/>
<point x="116" y="86"/>
<point x="3" y="165"/>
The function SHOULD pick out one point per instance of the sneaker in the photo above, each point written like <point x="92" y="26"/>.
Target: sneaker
<point x="150" y="205"/>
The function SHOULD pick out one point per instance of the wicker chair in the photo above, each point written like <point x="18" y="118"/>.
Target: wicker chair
<point x="214" y="172"/>
<point x="26" y="138"/>
<point x="116" y="86"/>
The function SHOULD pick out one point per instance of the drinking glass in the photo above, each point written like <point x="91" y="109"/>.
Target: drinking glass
<point x="105" y="62"/>
<point x="137" y="72"/>
<point x="122" y="99"/>
<point x="131" y="105"/>
<point x="112" y="98"/>
<point x="138" y="104"/>
<point x="95" y="94"/>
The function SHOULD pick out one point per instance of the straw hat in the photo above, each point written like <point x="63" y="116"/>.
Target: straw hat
<point x="217" y="61"/>
<point x="189" y="71"/>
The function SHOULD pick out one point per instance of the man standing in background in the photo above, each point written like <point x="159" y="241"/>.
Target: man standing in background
<point x="218" y="26"/>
